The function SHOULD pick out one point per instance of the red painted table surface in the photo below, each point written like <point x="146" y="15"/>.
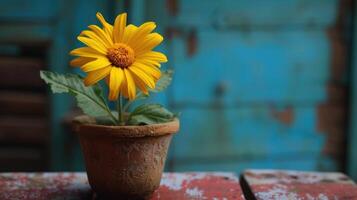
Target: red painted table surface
<point x="28" y="186"/>
<point x="294" y="185"/>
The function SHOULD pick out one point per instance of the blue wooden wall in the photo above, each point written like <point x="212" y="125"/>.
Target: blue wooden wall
<point x="253" y="82"/>
<point x="253" y="79"/>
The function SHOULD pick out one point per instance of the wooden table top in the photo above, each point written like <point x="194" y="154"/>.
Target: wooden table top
<point x="253" y="184"/>
<point x="46" y="186"/>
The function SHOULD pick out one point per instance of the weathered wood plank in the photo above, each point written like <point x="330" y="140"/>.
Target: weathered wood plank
<point x="214" y="185"/>
<point x="35" y="34"/>
<point x="227" y="132"/>
<point x="22" y="158"/>
<point x="23" y="103"/>
<point x="24" y="10"/>
<point x="260" y="66"/>
<point x="21" y="130"/>
<point x="75" y="186"/>
<point x="293" y="185"/>
<point x="240" y="163"/>
<point x="12" y="69"/>
<point x="251" y="14"/>
<point x="352" y="138"/>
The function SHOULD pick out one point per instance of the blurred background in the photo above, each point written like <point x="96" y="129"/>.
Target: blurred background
<point x="260" y="84"/>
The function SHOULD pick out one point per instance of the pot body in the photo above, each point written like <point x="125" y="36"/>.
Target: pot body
<point x="122" y="166"/>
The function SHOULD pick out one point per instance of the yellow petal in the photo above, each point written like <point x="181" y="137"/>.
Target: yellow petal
<point x="78" y="62"/>
<point x="124" y="87"/>
<point x="140" y="83"/>
<point x="98" y="39"/>
<point x="149" y="80"/>
<point x="108" y="28"/>
<point x="119" y="27"/>
<point x="115" y="81"/>
<point x="130" y="84"/>
<point x="153" y="71"/>
<point x="101" y="34"/>
<point x="150" y="41"/>
<point x="140" y="34"/>
<point x="86" y="52"/>
<point x="96" y="64"/>
<point x="95" y="76"/>
<point x="128" y="33"/>
<point x="93" y="44"/>
<point x="149" y="62"/>
<point x="153" y="55"/>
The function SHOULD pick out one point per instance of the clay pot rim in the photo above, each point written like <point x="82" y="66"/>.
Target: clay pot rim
<point x="127" y="131"/>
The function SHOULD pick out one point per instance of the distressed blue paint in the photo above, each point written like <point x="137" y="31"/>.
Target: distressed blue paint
<point x="259" y="66"/>
<point x="250" y="14"/>
<point x="246" y="132"/>
<point x="34" y="32"/>
<point x="137" y="12"/>
<point x="263" y="55"/>
<point x="308" y="163"/>
<point x="25" y="10"/>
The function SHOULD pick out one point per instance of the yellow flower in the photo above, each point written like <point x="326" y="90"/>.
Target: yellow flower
<point x="122" y="54"/>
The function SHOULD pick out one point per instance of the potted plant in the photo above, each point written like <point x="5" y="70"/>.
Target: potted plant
<point x="124" y="151"/>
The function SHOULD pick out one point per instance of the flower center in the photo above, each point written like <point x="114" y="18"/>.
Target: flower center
<point x="121" y="55"/>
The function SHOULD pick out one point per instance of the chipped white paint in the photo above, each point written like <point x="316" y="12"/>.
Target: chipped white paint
<point x="194" y="193"/>
<point x="322" y="197"/>
<point x="22" y="180"/>
<point x="309" y="197"/>
<point x="175" y="181"/>
<point x="291" y="176"/>
<point x="278" y="192"/>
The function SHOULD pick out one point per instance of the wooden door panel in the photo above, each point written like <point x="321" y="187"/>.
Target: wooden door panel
<point x="257" y="66"/>
<point x="246" y="13"/>
<point x="24" y="130"/>
<point x="247" y="132"/>
<point x="21" y="73"/>
<point x="292" y="163"/>
<point x="23" y="103"/>
<point x="25" y="10"/>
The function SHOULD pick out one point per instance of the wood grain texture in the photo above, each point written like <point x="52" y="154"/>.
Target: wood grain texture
<point x="352" y="138"/>
<point x="294" y="185"/>
<point x="260" y="66"/>
<point x="183" y="186"/>
<point x="248" y="14"/>
<point x="23" y="103"/>
<point x="249" y="131"/>
<point x="23" y="10"/>
<point x="22" y="158"/>
<point x="21" y="73"/>
<point x="24" y="130"/>
<point x="260" y="84"/>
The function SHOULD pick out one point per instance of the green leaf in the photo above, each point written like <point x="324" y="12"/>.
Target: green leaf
<point x="150" y="114"/>
<point x="89" y="99"/>
<point x="162" y="84"/>
<point x="164" y="81"/>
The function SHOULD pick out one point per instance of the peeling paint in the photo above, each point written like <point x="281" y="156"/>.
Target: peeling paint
<point x="285" y="116"/>
<point x="33" y="186"/>
<point x="294" y="185"/>
<point x="332" y="114"/>
<point x="194" y="193"/>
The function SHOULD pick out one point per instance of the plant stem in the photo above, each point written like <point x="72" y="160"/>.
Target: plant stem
<point x="126" y="106"/>
<point x="120" y="111"/>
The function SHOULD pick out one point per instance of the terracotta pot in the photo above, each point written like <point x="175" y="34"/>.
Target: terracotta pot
<point x="125" y="162"/>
